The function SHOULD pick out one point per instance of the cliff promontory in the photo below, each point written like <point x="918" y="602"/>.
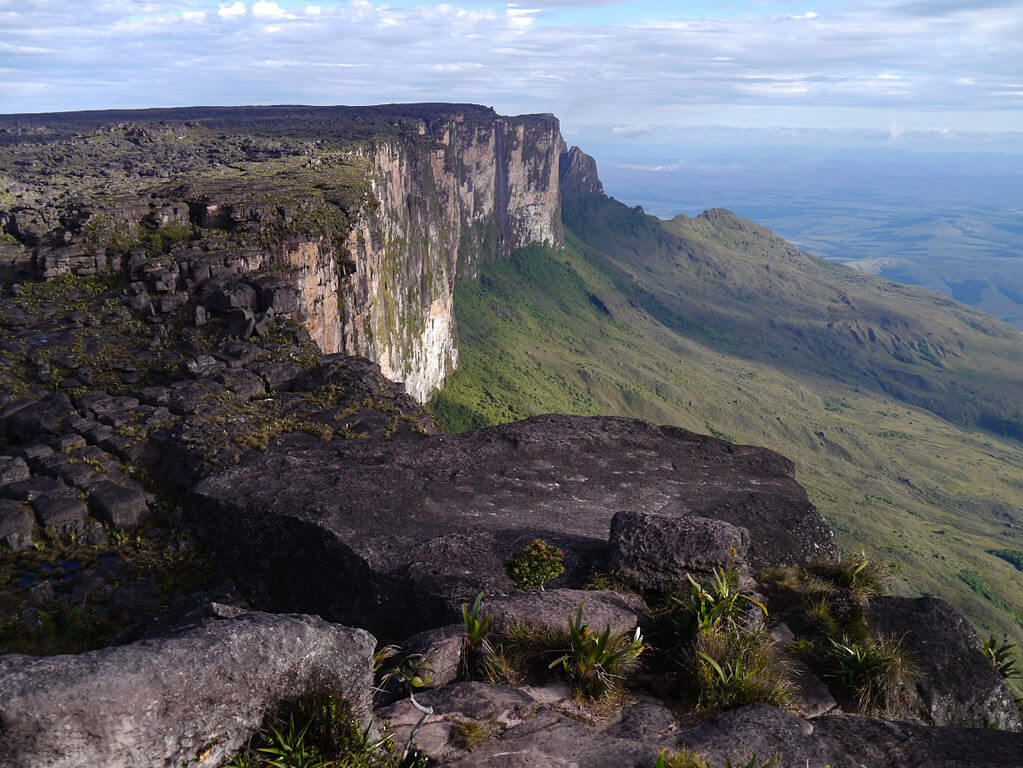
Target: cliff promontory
<point x="364" y="217"/>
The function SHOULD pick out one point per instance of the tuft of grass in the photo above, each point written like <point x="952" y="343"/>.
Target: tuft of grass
<point x="859" y="577"/>
<point x="682" y="757"/>
<point x="469" y="734"/>
<point x="873" y="674"/>
<point x="733" y="667"/>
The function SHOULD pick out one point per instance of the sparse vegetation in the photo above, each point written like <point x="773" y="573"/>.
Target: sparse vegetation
<point x="872" y="673"/>
<point x="681" y="758"/>
<point x="317" y="731"/>
<point x="733" y="667"/>
<point x="535" y="565"/>
<point x="719" y="601"/>
<point x="468" y="734"/>
<point x="595" y="663"/>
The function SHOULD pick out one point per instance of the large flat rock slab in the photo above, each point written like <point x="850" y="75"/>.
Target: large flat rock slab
<point x="394" y="534"/>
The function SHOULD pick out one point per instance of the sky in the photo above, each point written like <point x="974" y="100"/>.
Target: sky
<point x="929" y="72"/>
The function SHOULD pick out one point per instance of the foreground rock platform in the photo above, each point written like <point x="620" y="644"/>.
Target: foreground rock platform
<point x="394" y="534"/>
<point x="194" y="695"/>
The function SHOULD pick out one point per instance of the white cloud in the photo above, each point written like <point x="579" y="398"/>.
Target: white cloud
<point x="232" y="11"/>
<point x="268" y="10"/>
<point x="857" y="63"/>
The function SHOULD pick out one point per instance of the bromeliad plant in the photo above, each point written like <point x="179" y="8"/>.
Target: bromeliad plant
<point x="595" y="662"/>
<point x="477" y="625"/>
<point x="710" y="605"/>
<point x="1003" y="656"/>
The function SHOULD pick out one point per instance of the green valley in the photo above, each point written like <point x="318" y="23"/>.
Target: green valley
<point x="901" y="408"/>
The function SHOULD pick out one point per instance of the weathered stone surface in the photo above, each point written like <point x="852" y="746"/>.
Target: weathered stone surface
<point x="847" y="741"/>
<point x="16" y="524"/>
<point x="441" y="648"/>
<point x="551" y="740"/>
<point x="118" y="505"/>
<point x="415" y="525"/>
<point x="647" y="718"/>
<point x="957" y="684"/>
<point x="12" y="470"/>
<point x="552" y="609"/>
<point x="654" y="550"/>
<point x="495" y="705"/>
<point x="162" y="702"/>
<point x="61" y="513"/>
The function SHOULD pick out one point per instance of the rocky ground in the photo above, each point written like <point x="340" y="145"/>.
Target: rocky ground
<point x="203" y="519"/>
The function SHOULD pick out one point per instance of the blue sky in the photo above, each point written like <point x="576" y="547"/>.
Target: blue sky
<point x="928" y="72"/>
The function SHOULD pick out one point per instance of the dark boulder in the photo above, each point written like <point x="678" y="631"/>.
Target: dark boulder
<point x="16" y="524"/>
<point x="415" y="525"/>
<point x="847" y="741"/>
<point x="164" y="702"/>
<point x="552" y="609"/>
<point x="958" y="685"/>
<point x="652" y="550"/>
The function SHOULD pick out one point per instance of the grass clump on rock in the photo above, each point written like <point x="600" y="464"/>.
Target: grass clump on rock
<point x="871" y="673"/>
<point x="317" y="730"/>
<point x="681" y="758"/>
<point x="535" y="565"/>
<point x="595" y="663"/>
<point x="732" y="667"/>
<point x="468" y="734"/>
<point x="827" y="601"/>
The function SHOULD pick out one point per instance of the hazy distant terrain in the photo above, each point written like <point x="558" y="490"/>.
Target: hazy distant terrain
<point x="949" y="222"/>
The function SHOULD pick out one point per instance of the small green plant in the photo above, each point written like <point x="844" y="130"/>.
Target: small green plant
<point x="709" y="605"/>
<point x="287" y="748"/>
<point x="1003" y="656"/>
<point x="751" y="763"/>
<point x="469" y="734"/>
<point x="595" y="662"/>
<point x="535" y="565"/>
<point x="477" y="625"/>
<point x="872" y="672"/>
<point x="733" y="667"/>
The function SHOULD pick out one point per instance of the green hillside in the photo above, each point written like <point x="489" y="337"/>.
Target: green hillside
<point x="901" y="408"/>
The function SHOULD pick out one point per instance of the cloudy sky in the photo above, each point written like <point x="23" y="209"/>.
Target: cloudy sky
<point x="893" y="68"/>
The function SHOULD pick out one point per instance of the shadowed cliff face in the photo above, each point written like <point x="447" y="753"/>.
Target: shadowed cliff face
<point x="365" y="216"/>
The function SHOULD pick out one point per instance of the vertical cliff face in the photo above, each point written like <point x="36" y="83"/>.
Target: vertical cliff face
<point x="467" y="188"/>
<point x="365" y="217"/>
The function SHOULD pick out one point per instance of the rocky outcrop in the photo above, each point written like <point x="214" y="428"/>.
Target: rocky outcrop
<point x="578" y="172"/>
<point x="421" y="524"/>
<point x="357" y="225"/>
<point x="191" y="697"/>
<point x="957" y="684"/>
<point x="848" y="741"/>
